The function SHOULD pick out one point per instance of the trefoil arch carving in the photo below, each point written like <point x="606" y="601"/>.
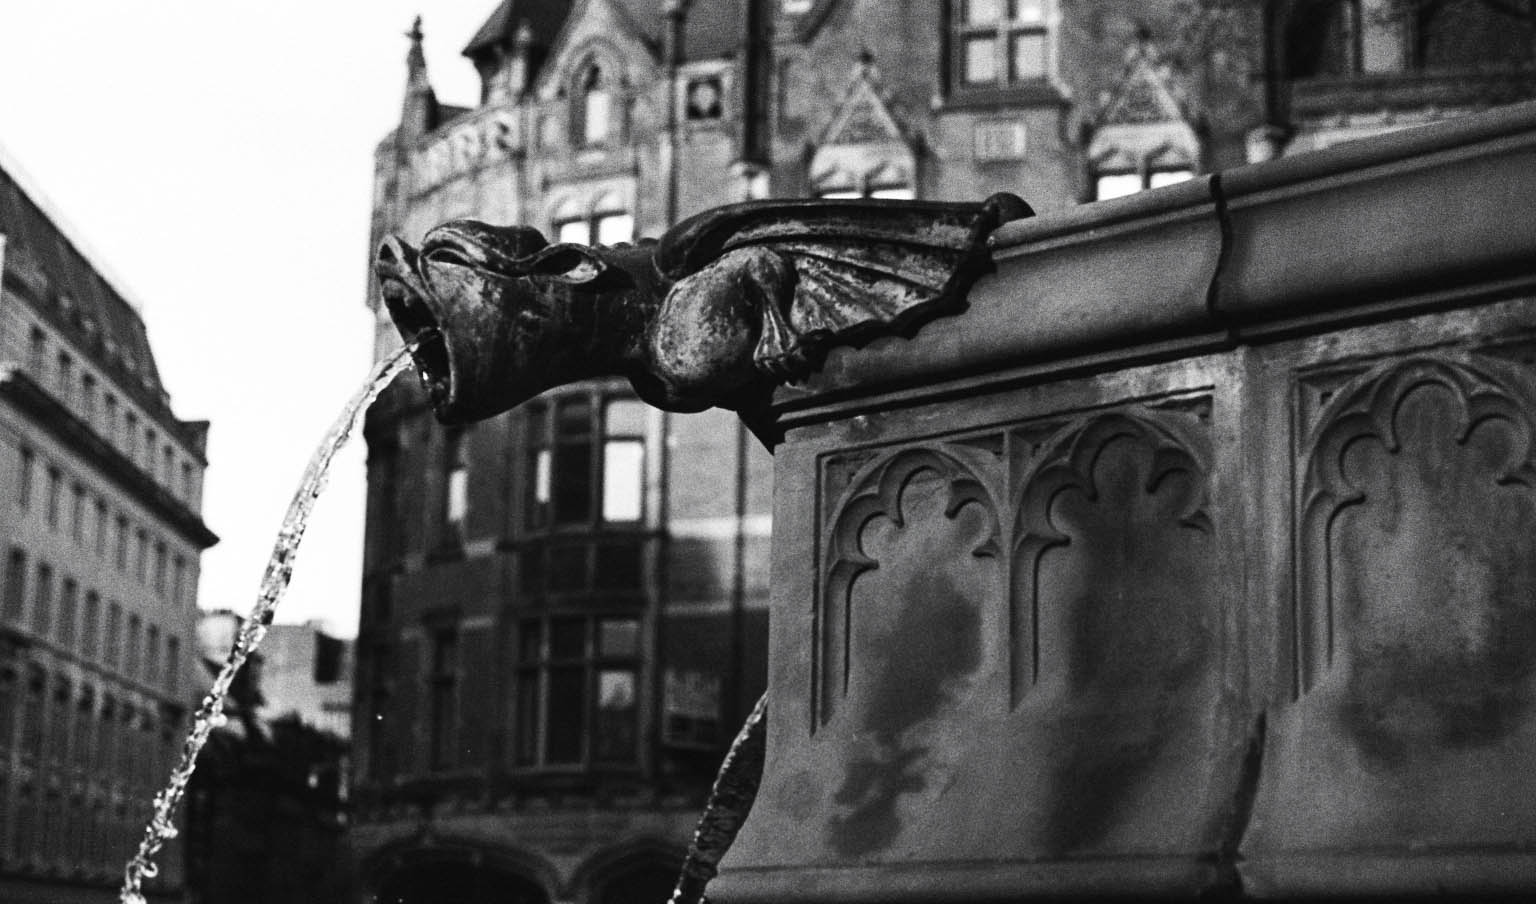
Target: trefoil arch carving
<point x="876" y="492"/>
<point x="1069" y="462"/>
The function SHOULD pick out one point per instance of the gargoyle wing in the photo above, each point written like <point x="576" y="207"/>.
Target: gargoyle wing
<point x="862" y="267"/>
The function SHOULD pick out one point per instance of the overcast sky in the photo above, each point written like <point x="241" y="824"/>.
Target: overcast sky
<point x="216" y="157"/>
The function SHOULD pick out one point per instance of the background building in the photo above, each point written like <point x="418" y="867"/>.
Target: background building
<point x="267" y="807"/>
<point x="100" y="487"/>
<point x="307" y="673"/>
<point x="562" y="616"/>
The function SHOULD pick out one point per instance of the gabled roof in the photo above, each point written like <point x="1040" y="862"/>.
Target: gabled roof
<point x="544" y="18"/>
<point x="863" y="115"/>
<point x="1146" y="92"/>
<point x="95" y="311"/>
<point x="712" y="28"/>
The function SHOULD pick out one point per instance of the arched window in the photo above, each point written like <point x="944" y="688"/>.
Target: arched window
<point x="592" y="112"/>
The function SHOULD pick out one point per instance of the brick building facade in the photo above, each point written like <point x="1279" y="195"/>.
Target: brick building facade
<point x="564" y="607"/>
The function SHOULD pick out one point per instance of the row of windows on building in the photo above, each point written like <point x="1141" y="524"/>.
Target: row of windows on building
<point x="80" y="836"/>
<point x="80" y="763"/>
<point x="997" y="43"/>
<point x="53" y="606"/>
<point x="135" y="435"/>
<point x="585" y="466"/>
<point x="70" y="508"/>
<point x="576" y="698"/>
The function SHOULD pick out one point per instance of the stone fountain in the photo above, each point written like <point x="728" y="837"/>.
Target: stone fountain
<point x="1178" y="545"/>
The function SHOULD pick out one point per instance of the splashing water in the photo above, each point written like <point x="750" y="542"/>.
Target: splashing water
<point x="274" y="583"/>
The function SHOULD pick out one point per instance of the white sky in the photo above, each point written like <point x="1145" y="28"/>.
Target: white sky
<point x="216" y="157"/>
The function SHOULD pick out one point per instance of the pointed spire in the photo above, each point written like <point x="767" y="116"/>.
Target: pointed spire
<point x="416" y="59"/>
<point x="419" y="113"/>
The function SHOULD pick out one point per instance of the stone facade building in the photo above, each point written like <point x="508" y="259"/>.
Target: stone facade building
<point x="307" y="672"/>
<point x="564" y="607"/>
<point x="100" y="491"/>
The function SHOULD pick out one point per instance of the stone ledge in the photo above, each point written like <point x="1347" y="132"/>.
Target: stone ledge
<point x="1426" y="217"/>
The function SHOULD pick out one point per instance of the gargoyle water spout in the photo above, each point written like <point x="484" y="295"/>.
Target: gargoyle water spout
<point x="723" y="308"/>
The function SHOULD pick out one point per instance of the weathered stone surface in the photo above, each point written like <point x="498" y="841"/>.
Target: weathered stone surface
<point x="1195" y="556"/>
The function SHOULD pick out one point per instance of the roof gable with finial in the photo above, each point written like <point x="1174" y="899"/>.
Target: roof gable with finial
<point x="1146" y="91"/>
<point x="863" y="116"/>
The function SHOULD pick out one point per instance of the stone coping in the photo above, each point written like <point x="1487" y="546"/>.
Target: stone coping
<point x="1427" y="218"/>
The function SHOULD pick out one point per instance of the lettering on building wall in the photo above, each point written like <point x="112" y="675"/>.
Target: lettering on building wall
<point x="1000" y="139"/>
<point x="467" y="147"/>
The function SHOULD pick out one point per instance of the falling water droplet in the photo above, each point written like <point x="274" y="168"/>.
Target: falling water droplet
<point x="274" y="583"/>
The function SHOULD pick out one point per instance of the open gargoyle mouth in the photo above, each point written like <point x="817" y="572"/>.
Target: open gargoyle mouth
<point x="405" y="297"/>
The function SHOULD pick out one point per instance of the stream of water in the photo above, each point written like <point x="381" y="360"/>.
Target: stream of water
<point x="274" y="583"/>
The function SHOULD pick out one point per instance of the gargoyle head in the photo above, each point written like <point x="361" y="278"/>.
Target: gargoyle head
<point x="497" y="314"/>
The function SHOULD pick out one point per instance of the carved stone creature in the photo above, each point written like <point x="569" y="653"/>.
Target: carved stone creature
<point x="724" y="307"/>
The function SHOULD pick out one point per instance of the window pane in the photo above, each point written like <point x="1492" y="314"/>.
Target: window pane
<point x="618" y="566"/>
<point x="625" y="417"/>
<point x="614" y="228"/>
<point x="573" y="418"/>
<point x="573" y="483"/>
<point x="1117" y="185"/>
<point x="531" y="563"/>
<point x="527" y="717"/>
<point x="623" y="479"/>
<point x="458" y="497"/>
<point x="615" y="716"/>
<point x="903" y="192"/>
<point x="981" y="12"/>
<point x="1028" y="55"/>
<point x="595" y="116"/>
<point x="568" y="569"/>
<point x="568" y="638"/>
<point x="618" y="637"/>
<point x="530" y="641"/>
<point x="980" y="60"/>
<point x="1029" y="10"/>
<point x="567" y="709"/>
<point x="574" y="231"/>
<point x="1170" y="177"/>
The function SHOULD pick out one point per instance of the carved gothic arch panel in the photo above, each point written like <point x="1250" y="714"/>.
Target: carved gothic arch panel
<point x="878" y="493"/>
<point x="1112" y="516"/>
<point x="1415" y="515"/>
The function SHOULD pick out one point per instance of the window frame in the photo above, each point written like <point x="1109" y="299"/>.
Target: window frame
<point x="443" y="724"/>
<point x="589" y="219"/>
<point x="535" y="667"/>
<point x="591" y="80"/>
<point x="455" y="487"/>
<point x="1145" y="176"/>
<point x="1003" y="33"/>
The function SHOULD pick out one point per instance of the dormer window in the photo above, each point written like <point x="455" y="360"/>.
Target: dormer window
<point x="593" y="109"/>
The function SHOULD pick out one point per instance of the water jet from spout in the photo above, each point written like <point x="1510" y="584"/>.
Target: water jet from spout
<point x="274" y="583"/>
